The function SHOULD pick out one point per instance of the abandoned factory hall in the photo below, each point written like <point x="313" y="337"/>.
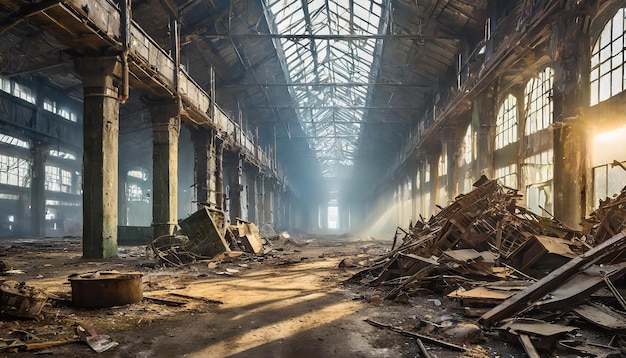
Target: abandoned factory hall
<point x="313" y="178"/>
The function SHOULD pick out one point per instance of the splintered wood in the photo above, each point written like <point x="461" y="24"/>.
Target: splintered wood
<point x="521" y="273"/>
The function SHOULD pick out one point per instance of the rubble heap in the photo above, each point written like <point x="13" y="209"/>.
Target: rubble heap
<point x="206" y="234"/>
<point x="529" y="278"/>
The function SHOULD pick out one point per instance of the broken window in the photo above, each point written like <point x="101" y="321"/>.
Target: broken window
<point x="58" y="179"/>
<point x="5" y="196"/>
<point x="13" y="141"/>
<point x="5" y="85"/>
<point x="608" y="180"/>
<point x="61" y="203"/>
<point x="607" y="60"/>
<point x="138" y="174"/>
<point x="538" y="101"/>
<point x="507" y="175"/>
<point x="24" y="92"/>
<point x="14" y="171"/>
<point x="442" y="170"/>
<point x="62" y="153"/>
<point x="538" y="171"/>
<point x="506" y="122"/>
<point x="134" y="193"/>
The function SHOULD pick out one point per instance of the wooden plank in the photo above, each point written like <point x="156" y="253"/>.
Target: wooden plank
<point x="528" y="346"/>
<point x="521" y="300"/>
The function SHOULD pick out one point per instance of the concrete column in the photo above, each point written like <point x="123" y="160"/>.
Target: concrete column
<point x="165" y="131"/>
<point x="39" y="154"/>
<point x="278" y="208"/>
<point x="234" y="168"/>
<point x="484" y="119"/>
<point x="251" y="176"/>
<point x="268" y="203"/>
<point x="571" y="51"/>
<point x="219" y="174"/>
<point x="122" y="217"/>
<point x="260" y="182"/>
<point x="202" y="156"/>
<point x="100" y="155"/>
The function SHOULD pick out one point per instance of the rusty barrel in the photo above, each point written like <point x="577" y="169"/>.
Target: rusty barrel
<point x="106" y="289"/>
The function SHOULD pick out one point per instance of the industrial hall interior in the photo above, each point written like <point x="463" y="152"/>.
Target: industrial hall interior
<point x="313" y="178"/>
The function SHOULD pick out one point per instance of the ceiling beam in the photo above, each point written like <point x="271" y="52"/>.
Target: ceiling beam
<point x="332" y="37"/>
<point x="327" y="84"/>
<point x="333" y="107"/>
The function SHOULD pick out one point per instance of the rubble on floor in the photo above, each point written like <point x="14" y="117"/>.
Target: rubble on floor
<point x="20" y="300"/>
<point x="206" y="234"/>
<point x="522" y="277"/>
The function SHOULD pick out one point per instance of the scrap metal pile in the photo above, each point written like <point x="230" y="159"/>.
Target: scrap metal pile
<point x="205" y="234"/>
<point x="529" y="278"/>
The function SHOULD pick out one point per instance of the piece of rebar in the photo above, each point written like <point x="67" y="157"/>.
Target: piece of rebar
<point x="418" y="336"/>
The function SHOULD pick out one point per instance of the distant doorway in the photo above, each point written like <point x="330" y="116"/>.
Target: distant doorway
<point x="333" y="217"/>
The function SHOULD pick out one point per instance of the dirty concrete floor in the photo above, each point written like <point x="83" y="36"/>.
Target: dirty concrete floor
<point x="290" y="303"/>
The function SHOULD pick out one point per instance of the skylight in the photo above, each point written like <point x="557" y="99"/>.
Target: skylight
<point x="331" y="112"/>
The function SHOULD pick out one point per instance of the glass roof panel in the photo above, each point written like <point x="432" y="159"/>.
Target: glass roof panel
<point x="342" y="66"/>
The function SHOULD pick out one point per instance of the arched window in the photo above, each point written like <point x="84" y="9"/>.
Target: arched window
<point x="507" y="176"/>
<point x="538" y="101"/>
<point x="442" y="169"/>
<point x="607" y="60"/>
<point x="506" y="123"/>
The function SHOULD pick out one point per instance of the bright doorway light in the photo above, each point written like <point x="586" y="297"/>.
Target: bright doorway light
<point x="333" y="217"/>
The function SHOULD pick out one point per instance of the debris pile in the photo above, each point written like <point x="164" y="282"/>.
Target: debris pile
<point x="607" y="220"/>
<point x="483" y="234"/>
<point x="530" y="279"/>
<point x="206" y="234"/>
<point x="20" y="300"/>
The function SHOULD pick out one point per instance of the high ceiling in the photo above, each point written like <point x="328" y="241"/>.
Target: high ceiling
<point x="335" y="85"/>
<point x="330" y="63"/>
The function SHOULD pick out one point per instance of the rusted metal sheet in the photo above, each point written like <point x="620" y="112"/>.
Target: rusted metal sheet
<point x="602" y="316"/>
<point x="579" y="287"/>
<point x="520" y="301"/>
<point x="536" y="327"/>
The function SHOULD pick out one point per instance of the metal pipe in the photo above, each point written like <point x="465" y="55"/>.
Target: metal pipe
<point x="125" y="24"/>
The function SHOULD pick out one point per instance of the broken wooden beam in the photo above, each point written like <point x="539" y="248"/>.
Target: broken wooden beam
<point x="523" y="299"/>
<point x="531" y="352"/>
